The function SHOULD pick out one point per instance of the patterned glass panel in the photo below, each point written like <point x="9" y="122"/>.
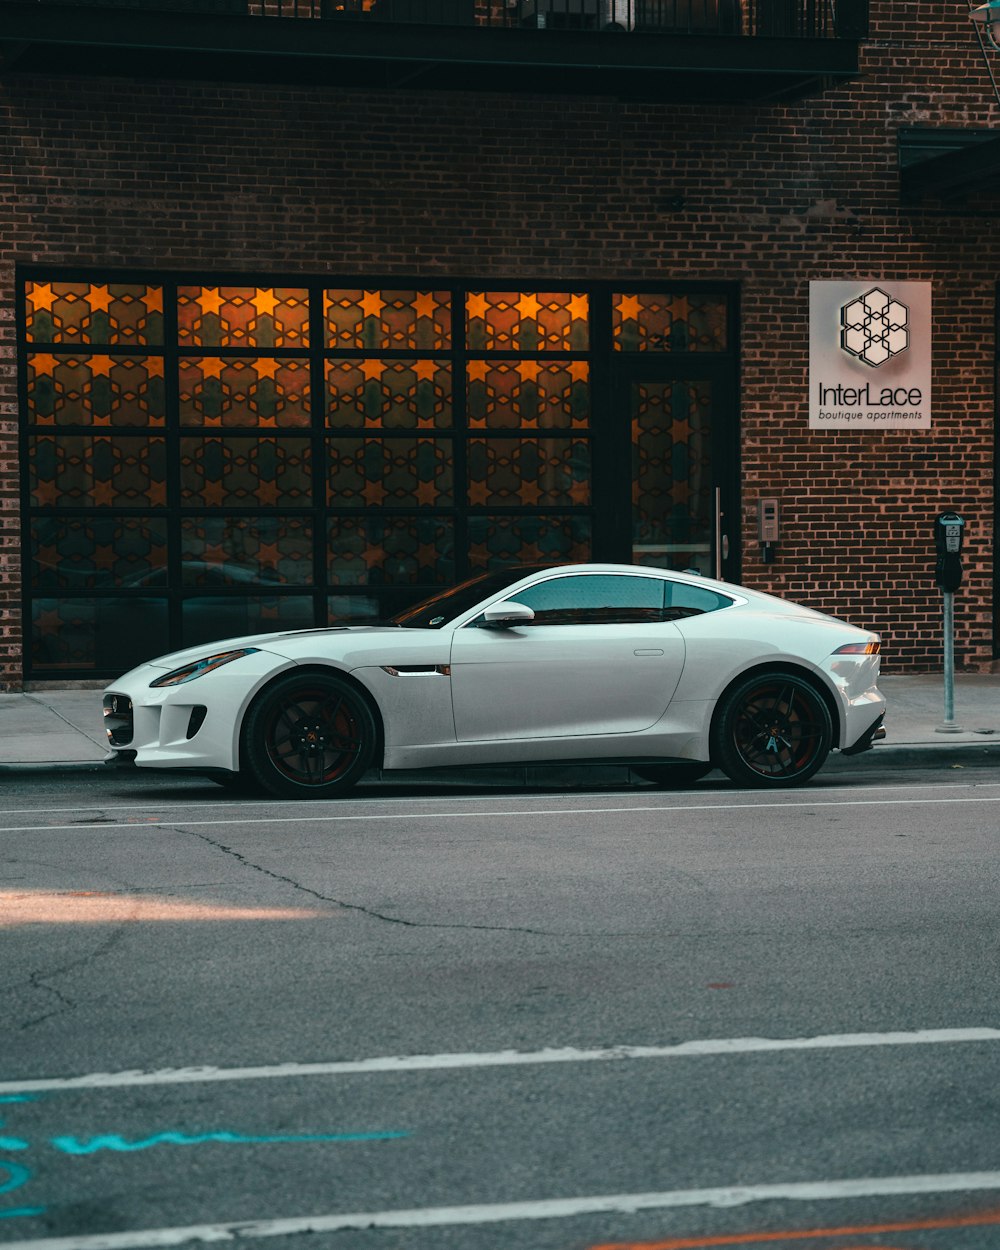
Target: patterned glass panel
<point x="498" y="540"/>
<point x="102" y="314"/>
<point x="74" y="553"/>
<point x="111" y="634"/>
<point x="527" y="321"/>
<point x="672" y="491"/>
<point x="669" y="323"/>
<point x="259" y="472"/>
<point x="208" y="618"/>
<point x="388" y="394"/>
<point x="528" y="394"/>
<point x="97" y="471"/>
<point x="95" y="390"/>
<point x="242" y="316"/>
<point x="391" y="472"/>
<point x="395" y="551"/>
<point x="271" y="392"/>
<point x="550" y="472"/>
<point x="246" y="551"/>
<point x="376" y="320"/>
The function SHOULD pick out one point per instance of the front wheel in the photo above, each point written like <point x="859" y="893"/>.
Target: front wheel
<point x="310" y="736"/>
<point x="773" y="729"/>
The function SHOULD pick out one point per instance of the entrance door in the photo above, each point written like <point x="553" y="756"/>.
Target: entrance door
<point x="675" y="424"/>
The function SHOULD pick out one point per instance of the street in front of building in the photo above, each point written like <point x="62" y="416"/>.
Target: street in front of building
<point x="539" y="1018"/>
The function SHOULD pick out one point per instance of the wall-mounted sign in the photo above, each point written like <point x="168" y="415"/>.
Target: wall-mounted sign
<point x="869" y="355"/>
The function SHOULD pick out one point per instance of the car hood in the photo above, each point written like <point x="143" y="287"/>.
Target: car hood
<point x="287" y="645"/>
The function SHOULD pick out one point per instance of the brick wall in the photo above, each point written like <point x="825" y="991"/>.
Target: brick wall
<point x="122" y="173"/>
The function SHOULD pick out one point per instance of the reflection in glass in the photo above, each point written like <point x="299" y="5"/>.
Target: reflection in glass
<point x="401" y="551"/>
<point x="210" y="618"/>
<point x="77" y="553"/>
<point x="495" y="541"/>
<point x="253" y="552"/>
<point x="110" y="634"/>
<point x="672" y="490"/>
<point x="97" y="471"/>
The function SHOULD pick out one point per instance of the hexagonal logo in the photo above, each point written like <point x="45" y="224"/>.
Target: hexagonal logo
<point x="874" y="327"/>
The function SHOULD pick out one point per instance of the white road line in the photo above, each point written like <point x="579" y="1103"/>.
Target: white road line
<point x="549" y="1209"/>
<point x="493" y="815"/>
<point x="500" y="1059"/>
<point x="257" y="804"/>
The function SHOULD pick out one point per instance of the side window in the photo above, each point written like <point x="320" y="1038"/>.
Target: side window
<point x="685" y="600"/>
<point x="595" y="599"/>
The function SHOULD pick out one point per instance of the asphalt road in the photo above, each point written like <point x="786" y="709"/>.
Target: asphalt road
<point x="452" y="1019"/>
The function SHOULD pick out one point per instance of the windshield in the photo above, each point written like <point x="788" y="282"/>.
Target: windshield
<point x="449" y="604"/>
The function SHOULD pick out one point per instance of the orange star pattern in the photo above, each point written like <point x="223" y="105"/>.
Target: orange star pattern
<point x="100" y="299"/>
<point x="265" y="301"/>
<point x="41" y="296"/>
<point x="372" y="304"/>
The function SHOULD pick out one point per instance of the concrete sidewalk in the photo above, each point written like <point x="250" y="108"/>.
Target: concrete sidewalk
<point x="63" y="728"/>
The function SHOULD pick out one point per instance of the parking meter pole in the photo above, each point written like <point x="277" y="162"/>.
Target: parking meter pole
<point x="948" y="529"/>
<point x="949" y="726"/>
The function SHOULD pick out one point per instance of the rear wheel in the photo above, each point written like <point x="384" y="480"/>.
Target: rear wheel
<point x="774" y="729"/>
<point x="671" y="776"/>
<point x="310" y="736"/>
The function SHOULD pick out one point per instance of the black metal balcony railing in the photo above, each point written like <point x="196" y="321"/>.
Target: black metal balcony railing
<point x="803" y="19"/>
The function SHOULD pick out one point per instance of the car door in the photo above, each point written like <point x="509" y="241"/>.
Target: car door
<point x="597" y="659"/>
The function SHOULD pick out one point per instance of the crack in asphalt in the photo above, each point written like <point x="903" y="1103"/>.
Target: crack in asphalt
<point x="358" y="907"/>
<point x="38" y="981"/>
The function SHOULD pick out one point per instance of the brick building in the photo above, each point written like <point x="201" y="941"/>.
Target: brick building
<point x="308" y="308"/>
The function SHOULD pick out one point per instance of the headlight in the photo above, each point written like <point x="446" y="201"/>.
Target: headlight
<point x="200" y="667"/>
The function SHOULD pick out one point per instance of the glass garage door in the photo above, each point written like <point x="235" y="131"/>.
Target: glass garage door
<point x="202" y="459"/>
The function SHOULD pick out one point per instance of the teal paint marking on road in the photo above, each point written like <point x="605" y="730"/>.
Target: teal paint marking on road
<point x="16" y="1176"/>
<point x="112" y="1141"/>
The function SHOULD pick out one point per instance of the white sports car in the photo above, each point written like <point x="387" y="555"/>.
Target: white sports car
<point x="671" y="673"/>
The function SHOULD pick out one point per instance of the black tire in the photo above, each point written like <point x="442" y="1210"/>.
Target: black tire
<point x="310" y="736"/>
<point x="774" y="729"/>
<point x="672" y="776"/>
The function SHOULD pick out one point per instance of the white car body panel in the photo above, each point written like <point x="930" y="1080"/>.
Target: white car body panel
<point x="461" y="694"/>
<point x="563" y="680"/>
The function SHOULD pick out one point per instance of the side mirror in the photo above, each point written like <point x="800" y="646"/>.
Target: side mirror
<point x="507" y="615"/>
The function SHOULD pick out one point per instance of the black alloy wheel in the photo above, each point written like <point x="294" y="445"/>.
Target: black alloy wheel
<point x="309" y="736"/>
<point x="774" y="729"/>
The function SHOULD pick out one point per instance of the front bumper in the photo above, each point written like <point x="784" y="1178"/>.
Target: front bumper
<point x="194" y="725"/>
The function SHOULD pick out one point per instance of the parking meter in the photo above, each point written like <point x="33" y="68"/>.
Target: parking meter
<point x="948" y="551"/>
